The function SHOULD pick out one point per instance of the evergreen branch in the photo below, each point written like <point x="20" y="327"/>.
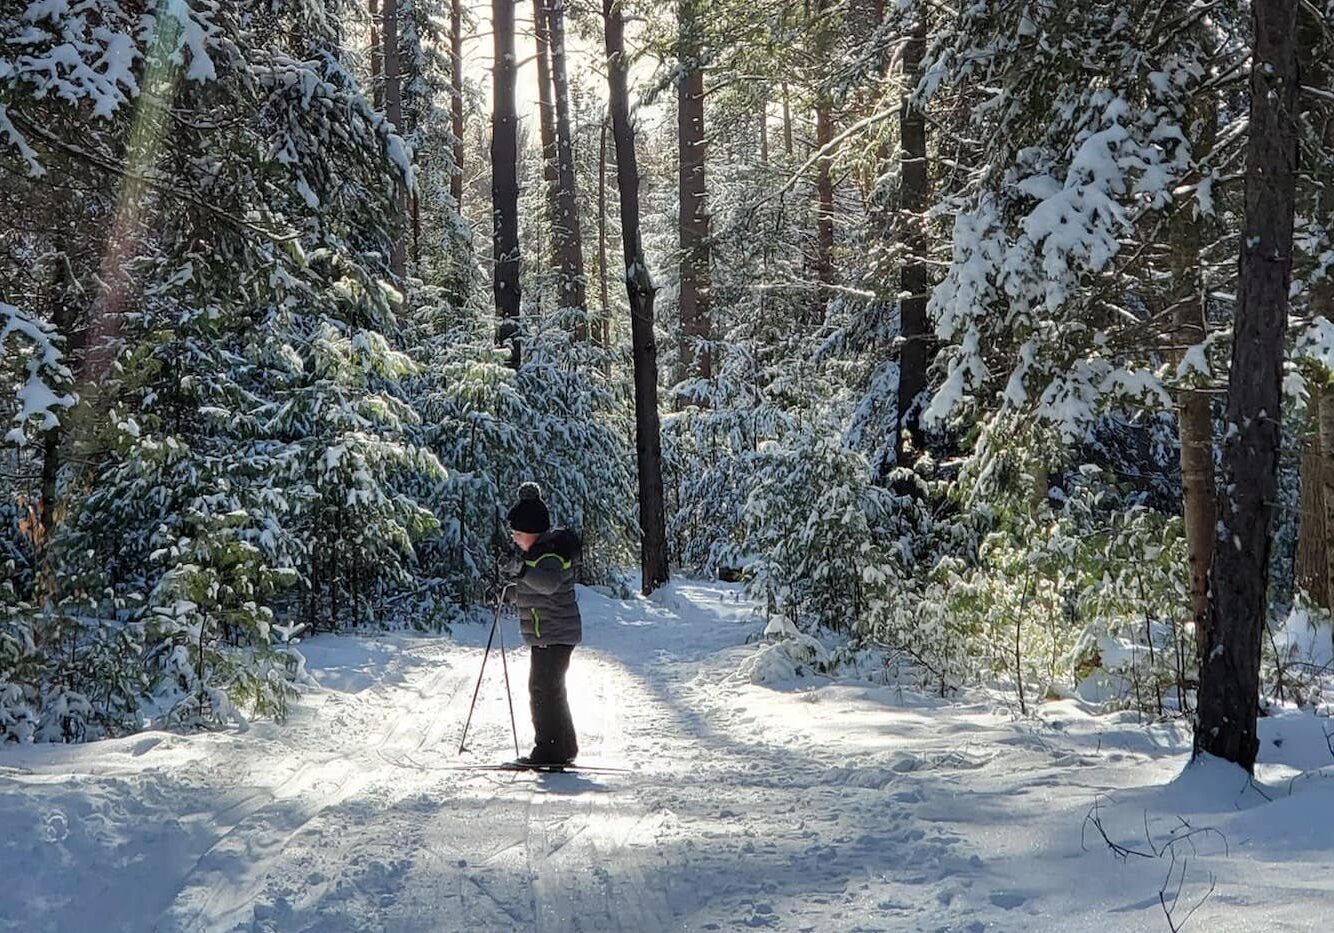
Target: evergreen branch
<point x="155" y="183"/>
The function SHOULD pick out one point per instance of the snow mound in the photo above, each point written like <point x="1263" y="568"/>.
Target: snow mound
<point x="791" y="656"/>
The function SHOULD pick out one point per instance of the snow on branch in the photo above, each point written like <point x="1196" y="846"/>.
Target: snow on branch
<point x="38" y="398"/>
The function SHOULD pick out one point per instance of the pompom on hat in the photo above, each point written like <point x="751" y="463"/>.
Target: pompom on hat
<point x="530" y="513"/>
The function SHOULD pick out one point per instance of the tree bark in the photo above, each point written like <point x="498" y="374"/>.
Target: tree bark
<point x="1194" y="415"/>
<point x="505" y="180"/>
<point x="569" y="241"/>
<point x="787" y="121"/>
<point x="915" y="355"/>
<point x="393" y="111"/>
<point x="1312" y="561"/>
<point x="1318" y="71"/>
<point x="377" y="57"/>
<point x="1239" y="575"/>
<point x="695" y="303"/>
<point x="824" y="209"/>
<point x="604" y="323"/>
<point x="546" y="124"/>
<point x="639" y="288"/>
<point x="1325" y="438"/>
<point x="764" y="133"/>
<point x="456" y="100"/>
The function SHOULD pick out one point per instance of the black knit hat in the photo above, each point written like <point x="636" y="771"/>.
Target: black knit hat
<point x="530" y="512"/>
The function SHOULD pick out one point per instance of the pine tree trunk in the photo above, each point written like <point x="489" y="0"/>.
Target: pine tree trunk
<point x="546" y="124"/>
<point x="787" y="121"/>
<point x="456" y="99"/>
<point x="569" y="241"/>
<point x="1194" y="415"/>
<point x="604" y="323"/>
<point x="1312" y="560"/>
<point x="913" y="326"/>
<point x="505" y="180"/>
<point x="377" y="57"/>
<point x="1239" y="575"/>
<point x="1325" y="439"/>
<point x="50" y="470"/>
<point x="639" y="287"/>
<point x="393" y="111"/>
<point x="764" y="133"/>
<point x="824" y="210"/>
<point x="65" y="318"/>
<point x="1318" y="71"/>
<point x="693" y="216"/>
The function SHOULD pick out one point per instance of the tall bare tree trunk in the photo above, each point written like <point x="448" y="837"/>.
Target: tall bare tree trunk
<point x="604" y="323"/>
<point x="546" y="124"/>
<point x="1194" y="417"/>
<point x="764" y="133"/>
<point x="393" y="111"/>
<point x="569" y="240"/>
<point x="1317" y="66"/>
<point x="377" y="57"/>
<point x="1312" y="560"/>
<point x="639" y="287"/>
<point x="1239" y="575"/>
<point x="693" y="217"/>
<point x="456" y="99"/>
<point x="824" y="209"/>
<point x="787" y="122"/>
<point x="1325" y="438"/>
<point x="915" y="186"/>
<point x="505" y="180"/>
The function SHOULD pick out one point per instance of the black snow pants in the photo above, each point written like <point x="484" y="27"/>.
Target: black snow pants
<point x="553" y="729"/>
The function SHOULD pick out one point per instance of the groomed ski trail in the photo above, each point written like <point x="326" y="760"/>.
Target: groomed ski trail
<point x="813" y="806"/>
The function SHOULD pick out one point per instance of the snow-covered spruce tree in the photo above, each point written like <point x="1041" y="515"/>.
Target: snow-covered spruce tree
<point x="556" y="420"/>
<point x="439" y="242"/>
<point x="1067" y="326"/>
<point x="257" y="423"/>
<point x="1042" y="310"/>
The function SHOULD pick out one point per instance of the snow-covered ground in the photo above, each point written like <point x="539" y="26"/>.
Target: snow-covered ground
<point x="818" y="805"/>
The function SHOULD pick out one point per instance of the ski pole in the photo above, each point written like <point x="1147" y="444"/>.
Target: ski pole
<point x="495" y="624"/>
<point x="509" y="695"/>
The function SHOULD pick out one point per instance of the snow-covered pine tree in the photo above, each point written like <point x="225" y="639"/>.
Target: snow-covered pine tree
<point x="248" y="424"/>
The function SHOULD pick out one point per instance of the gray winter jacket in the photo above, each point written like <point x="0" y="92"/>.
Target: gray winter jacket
<point x="544" y="591"/>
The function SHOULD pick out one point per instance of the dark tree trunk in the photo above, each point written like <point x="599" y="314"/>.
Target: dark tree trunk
<point x="569" y="242"/>
<point x="64" y="317"/>
<point x="456" y="99"/>
<point x="639" y="287"/>
<point x="1194" y="416"/>
<point x="787" y="121"/>
<point x="603" y="331"/>
<point x="915" y="186"/>
<point x="764" y="133"/>
<point x="505" y="180"/>
<point x="393" y="111"/>
<point x="693" y="223"/>
<point x="50" y="471"/>
<point x="1317" y="468"/>
<point x="377" y="57"/>
<point x="1312" y="561"/>
<point x="824" y="209"/>
<point x="546" y="124"/>
<point x="1239" y="574"/>
<point x="1323" y="403"/>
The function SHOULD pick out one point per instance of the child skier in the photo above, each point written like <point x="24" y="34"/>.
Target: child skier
<point x="543" y="575"/>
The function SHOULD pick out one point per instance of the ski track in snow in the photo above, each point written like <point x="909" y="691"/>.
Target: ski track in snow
<point x="819" y="806"/>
